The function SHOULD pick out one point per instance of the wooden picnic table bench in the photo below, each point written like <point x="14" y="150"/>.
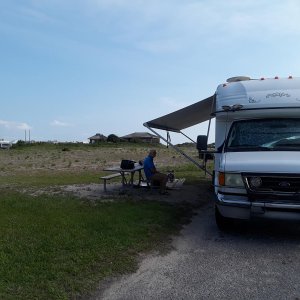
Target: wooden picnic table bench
<point x="123" y="172"/>
<point x="111" y="176"/>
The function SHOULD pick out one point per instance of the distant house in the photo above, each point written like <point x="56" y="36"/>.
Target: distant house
<point x="144" y="137"/>
<point x="97" y="138"/>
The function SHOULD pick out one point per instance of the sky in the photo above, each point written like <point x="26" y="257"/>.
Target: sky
<point x="73" y="68"/>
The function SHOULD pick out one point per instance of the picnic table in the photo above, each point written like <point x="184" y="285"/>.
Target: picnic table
<point x="118" y="171"/>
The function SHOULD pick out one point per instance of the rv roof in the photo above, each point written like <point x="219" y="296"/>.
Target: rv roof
<point x="262" y="93"/>
<point x="243" y="91"/>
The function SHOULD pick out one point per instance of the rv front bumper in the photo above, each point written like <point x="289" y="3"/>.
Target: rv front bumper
<point x="233" y="200"/>
<point x="232" y="206"/>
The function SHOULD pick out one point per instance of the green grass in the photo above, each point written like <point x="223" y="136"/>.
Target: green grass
<point x="57" y="247"/>
<point x="60" y="248"/>
<point x="190" y="172"/>
<point x="43" y="179"/>
<point x="52" y="177"/>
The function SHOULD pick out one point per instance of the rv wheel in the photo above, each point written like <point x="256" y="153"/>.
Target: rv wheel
<point x="223" y="223"/>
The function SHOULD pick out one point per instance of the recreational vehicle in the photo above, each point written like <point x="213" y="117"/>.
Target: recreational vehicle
<point x="5" y="144"/>
<point x="257" y="146"/>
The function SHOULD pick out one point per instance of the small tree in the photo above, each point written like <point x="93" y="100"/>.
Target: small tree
<point x="113" y="138"/>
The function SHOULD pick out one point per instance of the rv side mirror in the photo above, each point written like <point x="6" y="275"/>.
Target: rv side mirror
<point x="202" y="142"/>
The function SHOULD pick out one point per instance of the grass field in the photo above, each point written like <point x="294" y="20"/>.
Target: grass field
<point x="61" y="247"/>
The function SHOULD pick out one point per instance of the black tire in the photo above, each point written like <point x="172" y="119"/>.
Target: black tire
<point x="222" y="222"/>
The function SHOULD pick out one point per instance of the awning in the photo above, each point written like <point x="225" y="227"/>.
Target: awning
<point x="185" y="117"/>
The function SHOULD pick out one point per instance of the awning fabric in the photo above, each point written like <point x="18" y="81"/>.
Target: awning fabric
<point x="185" y="117"/>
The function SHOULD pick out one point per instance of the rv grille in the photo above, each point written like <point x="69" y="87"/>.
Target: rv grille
<point x="273" y="185"/>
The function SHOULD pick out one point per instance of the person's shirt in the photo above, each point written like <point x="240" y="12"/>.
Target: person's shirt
<point x="148" y="166"/>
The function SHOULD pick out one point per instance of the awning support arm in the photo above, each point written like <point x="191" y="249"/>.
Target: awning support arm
<point x="188" y="137"/>
<point x="178" y="150"/>
<point x="168" y="139"/>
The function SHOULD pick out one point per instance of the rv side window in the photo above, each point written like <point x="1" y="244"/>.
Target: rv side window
<point x="265" y="134"/>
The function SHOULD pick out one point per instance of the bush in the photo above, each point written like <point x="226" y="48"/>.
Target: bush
<point x="113" y="138"/>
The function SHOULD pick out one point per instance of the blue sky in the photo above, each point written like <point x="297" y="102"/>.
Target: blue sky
<point x="70" y="69"/>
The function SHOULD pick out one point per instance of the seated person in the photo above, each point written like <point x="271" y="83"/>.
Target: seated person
<point x="152" y="174"/>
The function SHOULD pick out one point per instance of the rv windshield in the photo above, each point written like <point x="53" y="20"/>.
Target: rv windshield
<point x="264" y="135"/>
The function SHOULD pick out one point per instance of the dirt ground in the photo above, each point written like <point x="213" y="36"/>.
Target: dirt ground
<point x="192" y="195"/>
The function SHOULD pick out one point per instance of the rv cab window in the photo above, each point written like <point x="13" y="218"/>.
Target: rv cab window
<point x="264" y="134"/>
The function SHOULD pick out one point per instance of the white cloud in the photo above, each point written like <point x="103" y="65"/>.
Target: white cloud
<point x="172" y="25"/>
<point x="162" y="26"/>
<point x="59" y="123"/>
<point x="15" y="125"/>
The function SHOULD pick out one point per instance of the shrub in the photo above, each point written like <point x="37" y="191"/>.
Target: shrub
<point x="113" y="138"/>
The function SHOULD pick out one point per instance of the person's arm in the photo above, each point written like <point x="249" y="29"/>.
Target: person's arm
<point x="153" y="170"/>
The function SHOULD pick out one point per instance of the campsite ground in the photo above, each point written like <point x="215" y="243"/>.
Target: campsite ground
<point x="75" y="170"/>
<point x="55" y="214"/>
<point x="62" y="237"/>
<point x="70" y="158"/>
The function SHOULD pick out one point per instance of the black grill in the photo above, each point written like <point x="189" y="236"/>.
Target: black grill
<point x="288" y="185"/>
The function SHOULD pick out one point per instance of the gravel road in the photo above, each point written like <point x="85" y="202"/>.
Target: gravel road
<point x="260" y="261"/>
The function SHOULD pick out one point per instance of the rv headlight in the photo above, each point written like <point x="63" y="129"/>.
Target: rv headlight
<point x="255" y="182"/>
<point x="231" y="179"/>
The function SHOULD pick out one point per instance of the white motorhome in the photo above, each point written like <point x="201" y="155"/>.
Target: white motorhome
<point x="257" y="146"/>
<point x="5" y="144"/>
